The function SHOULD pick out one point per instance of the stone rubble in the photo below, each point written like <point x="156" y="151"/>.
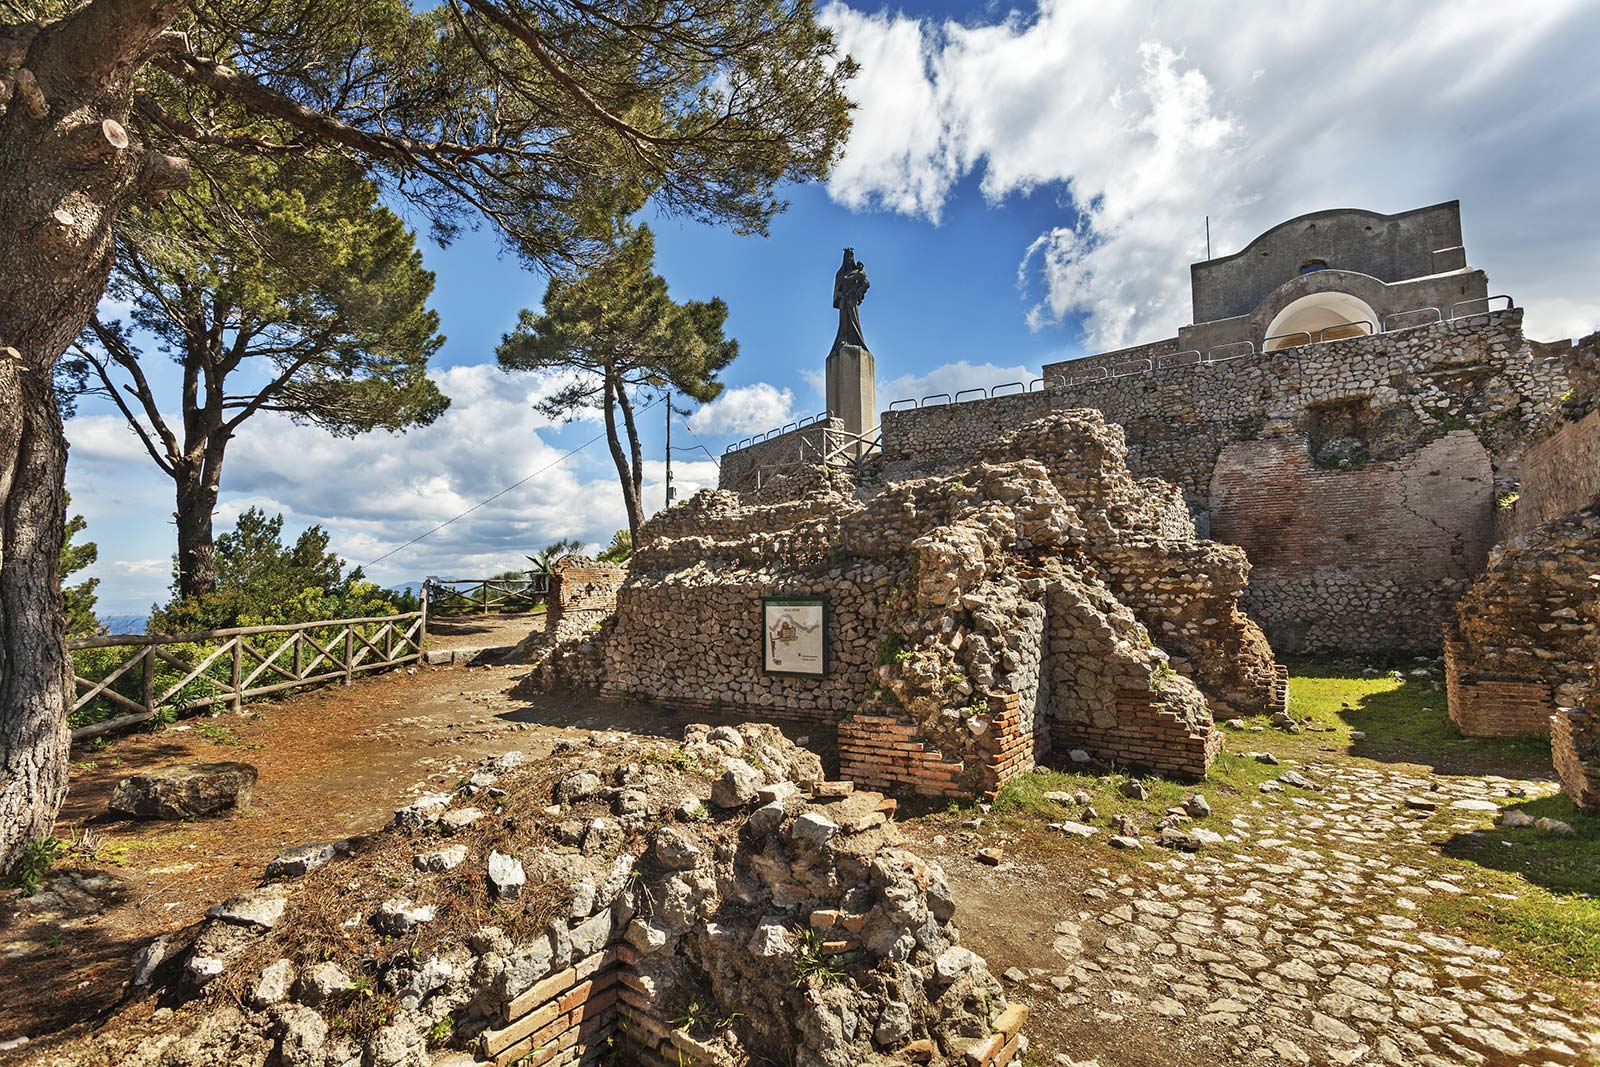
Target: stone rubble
<point x="812" y="935"/>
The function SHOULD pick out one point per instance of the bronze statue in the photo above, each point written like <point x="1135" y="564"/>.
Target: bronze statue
<point x="849" y="289"/>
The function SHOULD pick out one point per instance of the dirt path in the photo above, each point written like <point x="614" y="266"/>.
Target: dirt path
<point x="333" y="763"/>
<point x="481" y="631"/>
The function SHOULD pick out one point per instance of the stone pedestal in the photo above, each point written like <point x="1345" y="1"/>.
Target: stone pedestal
<point x="852" y="388"/>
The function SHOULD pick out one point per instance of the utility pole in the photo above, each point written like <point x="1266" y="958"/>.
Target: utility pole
<point x="1208" y="236"/>
<point x="669" y="448"/>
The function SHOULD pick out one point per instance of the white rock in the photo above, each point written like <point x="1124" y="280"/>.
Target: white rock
<point x="445" y="859"/>
<point x="506" y="876"/>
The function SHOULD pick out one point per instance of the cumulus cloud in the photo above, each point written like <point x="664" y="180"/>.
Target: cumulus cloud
<point x="1149" y="117"/>
<point x="378" y="490"/>
<point x="745" y="409"/>
<point x="952" y="378"/>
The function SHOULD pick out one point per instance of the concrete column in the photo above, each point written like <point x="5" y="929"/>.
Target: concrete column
<point x="852" y="388"/>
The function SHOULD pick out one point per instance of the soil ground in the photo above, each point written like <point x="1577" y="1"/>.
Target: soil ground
<point x="333" y="762"/>
<point x="1338" y="924"/>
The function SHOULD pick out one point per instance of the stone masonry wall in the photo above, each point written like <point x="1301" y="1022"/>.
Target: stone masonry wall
<point x="1558" y="473"/>
<point x="972" y="625"/>
<point x="1493" y="707"/>
<point x="1365" y="559"/>
<point x="739" y="468"/>
<point x="1534" y="615"/>
<point x="1365" y="407"/>
<point x="1407" y="387"/>
<point x="941" y="435"/>
<point x="1575" y="750"/>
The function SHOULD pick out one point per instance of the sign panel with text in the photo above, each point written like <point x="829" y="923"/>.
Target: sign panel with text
<point x="794" y="636"/>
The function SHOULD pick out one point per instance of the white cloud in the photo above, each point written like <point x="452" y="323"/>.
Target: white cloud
<point x="374" y="491"/>
<point x="1148" y="117"/>
<point x="143" y="566"/>
<point x="745" y="409"/>
<point x="952" y="378"/>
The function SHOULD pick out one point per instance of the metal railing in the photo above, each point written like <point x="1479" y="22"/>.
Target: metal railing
<point x="840" y="448"/>
<point x="1226" y="353"/>
<point x="788" y="427"/>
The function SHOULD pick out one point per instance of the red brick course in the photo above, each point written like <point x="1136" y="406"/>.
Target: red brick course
<point x="1146" y="736"/>
<point x="1575" y="750"/>
<point x="1493" y="707"/>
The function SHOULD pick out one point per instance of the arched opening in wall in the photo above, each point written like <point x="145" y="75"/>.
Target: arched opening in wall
<point x="1320" y="317"/>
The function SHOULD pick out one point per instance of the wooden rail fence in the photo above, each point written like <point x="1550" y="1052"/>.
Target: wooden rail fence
<point x="488" y="594"/>
<point x="238" y="668"/>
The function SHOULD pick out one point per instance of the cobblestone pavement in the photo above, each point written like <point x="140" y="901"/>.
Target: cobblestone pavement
<point x="1302" y="944"/>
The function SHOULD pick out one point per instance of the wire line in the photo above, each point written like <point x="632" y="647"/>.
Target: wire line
<point x="491" y="499"/>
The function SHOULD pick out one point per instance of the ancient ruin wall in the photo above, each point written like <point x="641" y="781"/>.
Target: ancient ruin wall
<point x="583" y="593"/>
<point x="1559" y="473"/>
<point x="1383" y="396"/>
<point x="743" y="467"/>
<point x="570" y="911"/>
<point x="1533" y="618"/>
<point x="1367" y="559"/>
<point x="948" y="668"/>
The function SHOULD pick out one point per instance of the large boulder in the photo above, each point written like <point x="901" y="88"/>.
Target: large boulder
<point x="185" y="790"/>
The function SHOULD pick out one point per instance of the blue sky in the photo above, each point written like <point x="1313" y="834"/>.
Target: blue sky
<point x="1021" y="185"/>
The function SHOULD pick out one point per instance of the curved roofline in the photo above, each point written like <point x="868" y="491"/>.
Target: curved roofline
<point x="1264" y="234"/>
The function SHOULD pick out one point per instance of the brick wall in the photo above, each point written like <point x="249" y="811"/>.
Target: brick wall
<point x="1493" y="707"/>
<point x="1575" y="749"/>
<point x="563" y="1020"/>
<point x="583" y="593"/>
<point x="1557" y="473"/>
<point x="1368" y="559"/>
<point x="883" y="752"/>
<point x="1146" y="735"/>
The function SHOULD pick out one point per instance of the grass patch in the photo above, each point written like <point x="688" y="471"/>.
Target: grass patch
<point x="1561" y="863"/>
<point x="1231" y="786"/>
<point x="1533" y="929"/>
<point x="1404" y="721"/>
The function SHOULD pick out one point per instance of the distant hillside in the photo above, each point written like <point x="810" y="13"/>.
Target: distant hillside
<point x="124" y="624"/>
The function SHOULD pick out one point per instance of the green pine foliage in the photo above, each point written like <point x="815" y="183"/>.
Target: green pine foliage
<point x="79" y="598"/>
<point x="262" y="581"/>
<point x="616" y="333"/>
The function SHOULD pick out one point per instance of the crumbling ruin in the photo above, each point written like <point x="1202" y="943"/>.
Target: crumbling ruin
<point x="1522" y="655"/>
<point x="1039" y="599"/>
<point x="709" y="903"/>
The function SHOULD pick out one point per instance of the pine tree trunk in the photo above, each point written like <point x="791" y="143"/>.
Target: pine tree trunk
<point x="197" y="503"/>
<point x="199" y="485"/>
<point x="35" y="674"/>
<point x="67" y="169"/>
<point x="630" y="498"/>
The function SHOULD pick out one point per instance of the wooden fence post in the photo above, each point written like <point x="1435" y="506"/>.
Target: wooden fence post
<point x="486" y="597"/>
<point x="236" y="673"/>
<point x="299" y="659"/>
<point x="349" y="654"/>
<point x="422" y="631"/>
<point x="149" y="692"/>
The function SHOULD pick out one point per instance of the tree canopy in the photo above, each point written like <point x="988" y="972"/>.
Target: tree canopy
<point x="616" y="330"/>
<point x="275" y="285"/>
<point x="547" y="118"/>
<point x="263" y="581"/>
